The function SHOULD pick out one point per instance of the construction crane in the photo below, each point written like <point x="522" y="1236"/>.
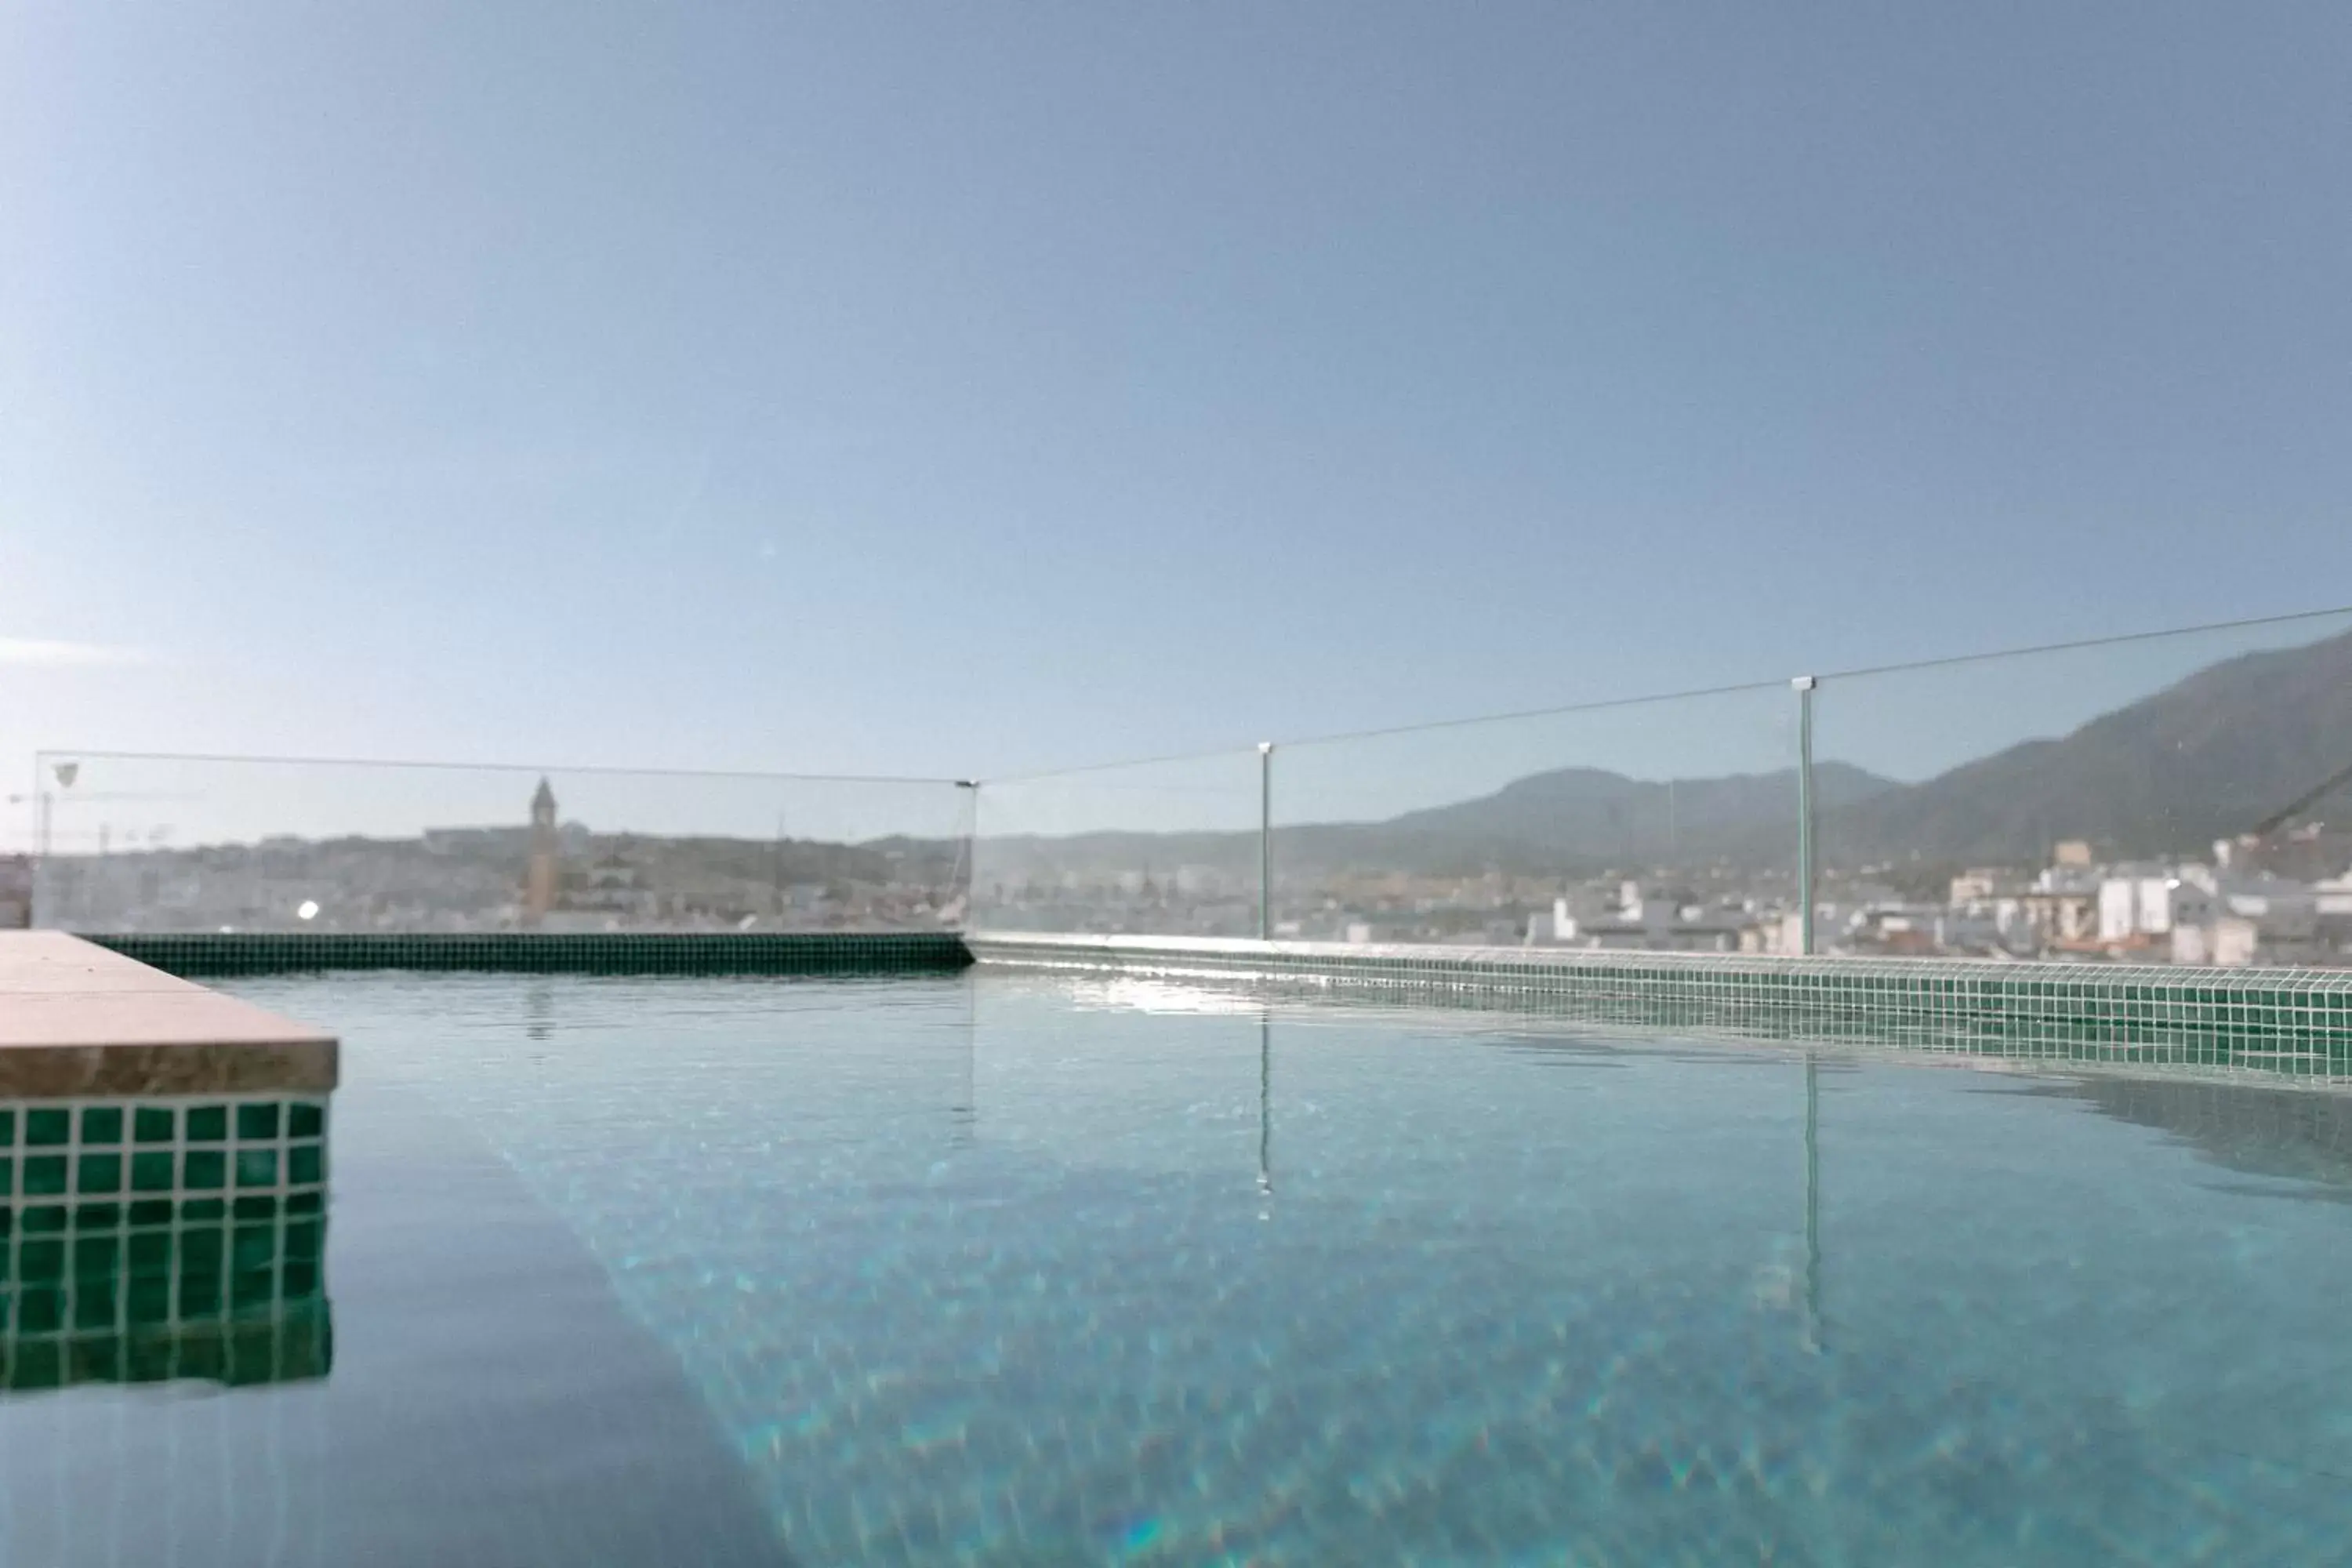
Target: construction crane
<point x="2301" y="804"/>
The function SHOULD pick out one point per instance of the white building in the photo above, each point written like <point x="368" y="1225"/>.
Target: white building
<point x="2136" y="901"/>
<point x="2235" y="918"/>
<point x="2062" y="906"/>
<point x="1988" y="912"/>
<point x="1643" y="921"/>
<point x="2334" y="896"/>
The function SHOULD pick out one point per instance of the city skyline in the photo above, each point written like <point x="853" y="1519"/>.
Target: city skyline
<point x="2191" y="826"/>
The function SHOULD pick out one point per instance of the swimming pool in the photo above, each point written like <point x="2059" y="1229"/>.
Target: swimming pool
<point x="995" y="1267"/>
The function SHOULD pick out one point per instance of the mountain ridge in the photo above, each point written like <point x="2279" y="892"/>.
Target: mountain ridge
<point x="2165" y="774"/>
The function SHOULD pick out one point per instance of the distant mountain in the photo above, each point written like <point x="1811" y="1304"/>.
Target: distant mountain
<point x="1570" y="821"/>
<point x="1583" y="812"/>
<point x="2206" y="757"/>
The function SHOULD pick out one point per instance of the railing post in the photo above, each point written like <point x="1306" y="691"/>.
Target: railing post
<point x="1265" y="841"/>
<point x="1804" y="685"/>
<point x="42" y="897"/>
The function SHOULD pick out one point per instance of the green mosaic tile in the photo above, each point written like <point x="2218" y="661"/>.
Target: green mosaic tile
<point x="204" y="1170"/>
<point x="100" y="1174"/>
<point x="201" y="1250"/>
<point x="151" y="1172"/>
<point x="198" y="954"/>
<point x="98" y="1256"/>
<point x="306" y="1163"/>
<point x="257" y="1168"/>
<point x="149" y="1301"/>
<point x="149" y="1252"/>
<point x="254" y="1247"/>
<point x="102" y="1124"/>
<point x="305" y="1119"/>
<point x="208" y="1124"/>
<point x="40" y="1310"/>
<point x="257" y="1122"/>
<point x="152" y="1124"/>
<point x="44" y="1175"/>
<point x="93" y="1303"/>
<point x="47" y="1128"/>
<point x="2297" y="1023"/>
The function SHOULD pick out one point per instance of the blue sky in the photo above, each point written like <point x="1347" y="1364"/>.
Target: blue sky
<point x="932" y="389"/>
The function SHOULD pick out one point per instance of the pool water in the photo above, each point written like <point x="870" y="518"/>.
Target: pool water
<point x="996" y="1268"/>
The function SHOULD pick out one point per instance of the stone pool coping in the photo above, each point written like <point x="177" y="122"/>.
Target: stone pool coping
<point x="2296" y="1022"/>
<point x="77" y="1019"/>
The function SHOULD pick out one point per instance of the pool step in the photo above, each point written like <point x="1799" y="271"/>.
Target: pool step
<point x="77" y="1019"/>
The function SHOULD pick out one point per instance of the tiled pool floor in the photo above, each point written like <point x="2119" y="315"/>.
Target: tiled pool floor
<point x="1007" y="1269"/>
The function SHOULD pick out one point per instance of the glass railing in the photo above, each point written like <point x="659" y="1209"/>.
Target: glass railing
<point x="2177" y="798"/>
<point x="1160" y="849"/>
<point x="2183" y="797"/>
<point x="1631" y="824"/>
<point x="178" y="844"/>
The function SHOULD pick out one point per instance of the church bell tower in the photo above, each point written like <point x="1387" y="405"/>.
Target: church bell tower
<point x="539" y="893"/>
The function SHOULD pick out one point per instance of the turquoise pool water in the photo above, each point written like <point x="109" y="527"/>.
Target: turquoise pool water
<point x="995" y="1268"/>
